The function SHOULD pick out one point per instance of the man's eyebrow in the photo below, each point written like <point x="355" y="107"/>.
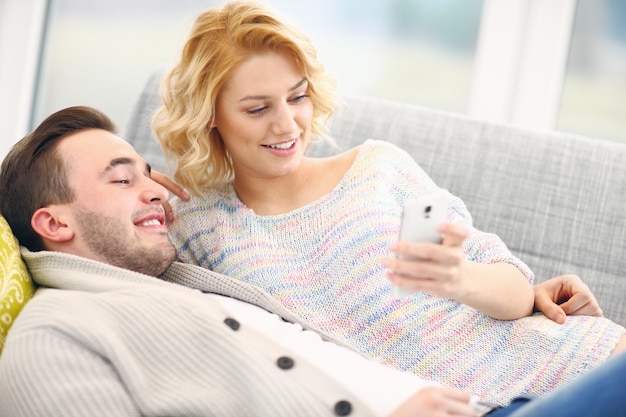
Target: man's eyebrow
<point x="125" y="161"/>
<point x="119" y="161"/>
<point x="262" y="97"/>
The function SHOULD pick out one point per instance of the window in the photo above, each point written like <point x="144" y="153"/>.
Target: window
<point x="19" y="61"/>
<point x="543" y="64"/>
<point x="100" y="53"/>
<point x="594" y="93"/>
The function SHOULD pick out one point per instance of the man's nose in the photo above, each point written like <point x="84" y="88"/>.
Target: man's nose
<point x="154" y="192"/>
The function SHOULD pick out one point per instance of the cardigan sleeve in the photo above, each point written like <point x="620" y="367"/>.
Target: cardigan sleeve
<point x="44" y="372"/>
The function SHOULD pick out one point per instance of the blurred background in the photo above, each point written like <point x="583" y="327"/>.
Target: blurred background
<point x="545" y="64"/>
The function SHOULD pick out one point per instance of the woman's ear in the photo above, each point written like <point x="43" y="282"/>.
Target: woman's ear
<point x="49" y="224"/>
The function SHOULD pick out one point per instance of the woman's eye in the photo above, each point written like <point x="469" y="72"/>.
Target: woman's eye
<point x="300" y="98"/>
<point x="257" y="111"/>
<point x="123" y="181"/>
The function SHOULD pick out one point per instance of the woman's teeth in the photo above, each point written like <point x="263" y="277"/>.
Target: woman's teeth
<point x="285" y="145"/>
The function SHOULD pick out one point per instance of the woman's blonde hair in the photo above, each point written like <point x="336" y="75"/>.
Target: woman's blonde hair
<point x="221" y="39"/>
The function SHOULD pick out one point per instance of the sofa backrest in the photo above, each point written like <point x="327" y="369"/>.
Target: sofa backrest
<point x="554" y="198"/>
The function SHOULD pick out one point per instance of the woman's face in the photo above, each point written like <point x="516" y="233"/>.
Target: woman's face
<point x="264" y="116"/>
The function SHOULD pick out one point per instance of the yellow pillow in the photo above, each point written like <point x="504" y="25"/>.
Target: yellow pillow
<point x="16" y="284"/>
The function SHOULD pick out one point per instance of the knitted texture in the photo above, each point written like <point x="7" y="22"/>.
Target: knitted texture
<point x="323" y="261"/>
<point x="104" y="341"/>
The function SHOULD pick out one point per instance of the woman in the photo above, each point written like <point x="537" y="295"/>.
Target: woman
<point x="240" y="109"/>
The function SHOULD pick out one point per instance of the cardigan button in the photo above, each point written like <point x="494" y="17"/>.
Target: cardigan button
<point x="232" y="323"/>
<point x="285" y="362"/>
<point x="343" y="408"/>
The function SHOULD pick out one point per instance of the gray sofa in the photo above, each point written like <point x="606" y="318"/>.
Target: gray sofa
<point x="556" y="199"/>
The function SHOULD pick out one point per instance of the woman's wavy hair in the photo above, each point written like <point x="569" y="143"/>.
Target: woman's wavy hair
<point x="221" y="40"/>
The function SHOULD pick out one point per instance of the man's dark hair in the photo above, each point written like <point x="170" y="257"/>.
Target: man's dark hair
<point x="33" y="174"/>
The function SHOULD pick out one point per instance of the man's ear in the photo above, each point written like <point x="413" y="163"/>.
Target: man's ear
<point x="48" y="224"/>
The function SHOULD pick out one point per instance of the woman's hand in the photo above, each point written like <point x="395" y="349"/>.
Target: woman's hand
<point x="499" y="289"/>
<point x="436" y="402"/>
<point x="565" y="295"/>
<point x="171" y="186"/>
<point x="440" y="269"/>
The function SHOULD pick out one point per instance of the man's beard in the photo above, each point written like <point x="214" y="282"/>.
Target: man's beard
<point x="107" y="238"/>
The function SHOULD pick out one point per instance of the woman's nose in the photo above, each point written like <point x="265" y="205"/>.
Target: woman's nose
<point x="284" y="119"/>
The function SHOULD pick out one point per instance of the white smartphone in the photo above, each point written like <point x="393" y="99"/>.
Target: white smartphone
<point x="420" y="219"/>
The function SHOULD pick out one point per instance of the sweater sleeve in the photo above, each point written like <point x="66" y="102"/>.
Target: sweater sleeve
<point x="411" y="180"/>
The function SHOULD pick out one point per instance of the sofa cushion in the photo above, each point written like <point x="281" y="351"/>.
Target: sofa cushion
<point x="16" y="285"/>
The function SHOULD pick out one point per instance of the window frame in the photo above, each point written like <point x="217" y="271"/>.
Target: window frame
<point x="521" y="60"/>
<point x="23" y="20"/>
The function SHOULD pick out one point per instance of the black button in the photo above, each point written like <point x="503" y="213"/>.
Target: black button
<point x="232" y="323"/>
<point x="285" y="362"/>
<point x="343" y="408"/>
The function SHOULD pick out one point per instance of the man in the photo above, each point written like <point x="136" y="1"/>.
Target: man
<point x="103" y="337"/>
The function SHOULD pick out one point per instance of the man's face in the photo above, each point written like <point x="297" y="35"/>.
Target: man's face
<point x="117" y="216"/>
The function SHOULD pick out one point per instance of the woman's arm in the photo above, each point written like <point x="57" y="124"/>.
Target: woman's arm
<point x="499" y="289"/>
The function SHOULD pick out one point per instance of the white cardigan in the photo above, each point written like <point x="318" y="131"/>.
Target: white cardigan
<point x="97" y="340"/>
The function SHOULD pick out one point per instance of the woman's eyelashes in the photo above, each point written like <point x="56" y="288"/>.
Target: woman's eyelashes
<point x="299" y="98"/>
<point x="257" y="111"/>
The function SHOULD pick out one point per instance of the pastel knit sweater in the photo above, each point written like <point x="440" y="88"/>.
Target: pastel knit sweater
<point x="323" y="262"/>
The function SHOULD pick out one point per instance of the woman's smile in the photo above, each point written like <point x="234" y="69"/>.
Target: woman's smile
<point x="283" y="149"/>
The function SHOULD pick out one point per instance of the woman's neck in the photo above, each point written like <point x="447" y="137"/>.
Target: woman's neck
<point x="314" y="178"/>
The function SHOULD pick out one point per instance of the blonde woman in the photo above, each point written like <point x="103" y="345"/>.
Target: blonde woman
<point x="240" y="109"/>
